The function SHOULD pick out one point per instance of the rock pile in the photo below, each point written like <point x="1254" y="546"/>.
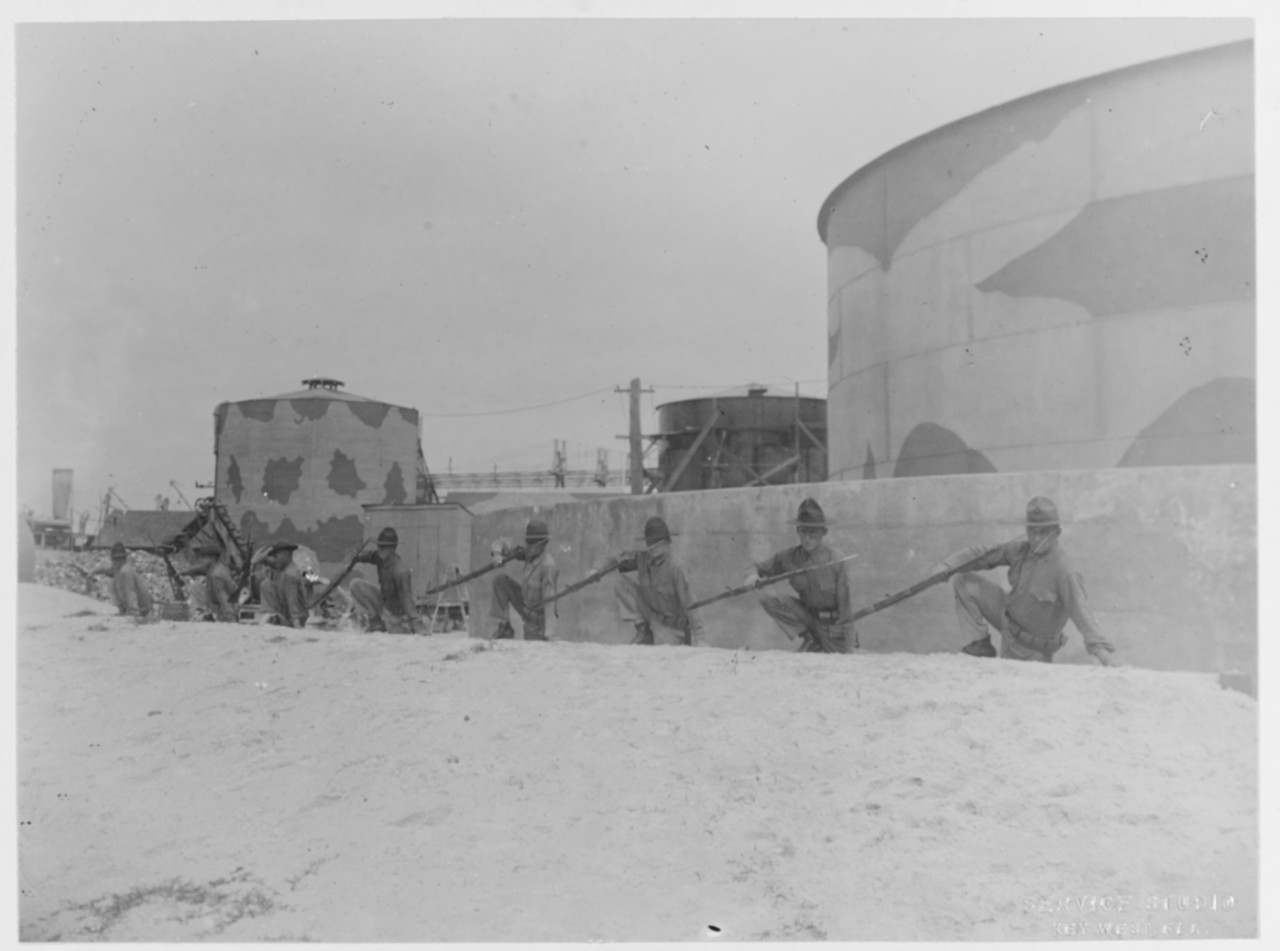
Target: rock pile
<point x="71" y="571"/>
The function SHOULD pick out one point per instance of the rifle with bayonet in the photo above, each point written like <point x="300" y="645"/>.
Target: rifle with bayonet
<point x="919" y="586"/>
<point x="462" y="579"/>
<point x="610" y="566"/>
<point x="763" y="582"/>
<point x="246" y="568"/>
<point x="332" y="585"/>
<point x="175" y="579"/>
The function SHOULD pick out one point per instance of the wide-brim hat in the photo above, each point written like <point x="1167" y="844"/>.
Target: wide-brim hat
<point x="536" y="531"/>
<point x="810" y="515"/>
<point x="1042" y="513"/>
<point x="655" y="530"/>
<point x="118" y="550"/>
<point x="281" y="546"/>
<point x="388" y="536"/>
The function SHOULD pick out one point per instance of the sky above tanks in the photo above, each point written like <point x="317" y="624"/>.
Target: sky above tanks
<point x="465" y="216"/>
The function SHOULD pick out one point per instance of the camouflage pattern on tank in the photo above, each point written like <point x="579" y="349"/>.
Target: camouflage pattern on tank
<point x="281" y="478"/>
<point x="1063" y="281"/>
<point x="394" y="487"/>
<point x="301" y="467"/>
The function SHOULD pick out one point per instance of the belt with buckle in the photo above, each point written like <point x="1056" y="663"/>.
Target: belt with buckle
<point x="1044" y="643"/>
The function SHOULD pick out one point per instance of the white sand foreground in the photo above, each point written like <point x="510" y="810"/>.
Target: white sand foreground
<point x="183" y="781"/>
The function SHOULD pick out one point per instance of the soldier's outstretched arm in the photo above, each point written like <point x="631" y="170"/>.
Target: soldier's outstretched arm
<point x="988" y="555"/>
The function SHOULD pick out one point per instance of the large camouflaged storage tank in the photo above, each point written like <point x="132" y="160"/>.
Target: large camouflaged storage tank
<point x="1065" y="281"/>
<point x="300" y="467"/>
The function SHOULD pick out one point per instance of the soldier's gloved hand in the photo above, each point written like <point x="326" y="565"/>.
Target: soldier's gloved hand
<point x="497" y="552"/>
<point x="752" y="577"/>
<point x="939" y="568"/>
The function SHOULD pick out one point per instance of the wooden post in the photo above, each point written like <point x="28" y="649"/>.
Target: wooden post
<point x="796" y="432"/>
<point x="634" y="438"/>
<point x="637" y="452"/>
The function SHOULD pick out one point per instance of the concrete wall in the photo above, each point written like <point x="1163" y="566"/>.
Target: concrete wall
<point x="432" y="538"/>
<point x="1064" y="281"/>
<point x="1168" y="555"/>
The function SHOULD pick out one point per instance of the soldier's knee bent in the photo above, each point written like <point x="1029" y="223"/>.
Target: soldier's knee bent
<point x="772" y="599"/>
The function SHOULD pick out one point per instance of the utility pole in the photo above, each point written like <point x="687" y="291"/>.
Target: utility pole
<point x="637" y="450"/>
<point x="558" y="462"/>
<point x="796" y="433"/>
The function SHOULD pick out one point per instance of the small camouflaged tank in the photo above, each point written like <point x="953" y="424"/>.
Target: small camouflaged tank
<point x="299" y="467"/>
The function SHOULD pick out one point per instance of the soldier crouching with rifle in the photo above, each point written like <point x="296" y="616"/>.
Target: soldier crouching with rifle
<point x="528" y="595"/>
<point x="216" y="598"/>
<point x="821" y="610"/>
<point x="657" y="598"/>
<point x="389" y="604"/>
<point x="1046" y="592"/>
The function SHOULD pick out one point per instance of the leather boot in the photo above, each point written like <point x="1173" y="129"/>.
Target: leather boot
<point x="982" y="647"/>
<point x="644" y="634"/>
<point x="504" y="631"/>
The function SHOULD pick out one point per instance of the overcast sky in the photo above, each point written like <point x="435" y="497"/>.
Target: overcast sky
<point x="462" y="216"/>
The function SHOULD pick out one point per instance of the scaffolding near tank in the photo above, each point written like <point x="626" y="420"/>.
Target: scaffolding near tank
<point x="742" y="437"/>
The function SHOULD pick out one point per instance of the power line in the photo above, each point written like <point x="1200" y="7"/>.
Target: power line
<point x="726" y="386"/>
<point x="518" y="409"/>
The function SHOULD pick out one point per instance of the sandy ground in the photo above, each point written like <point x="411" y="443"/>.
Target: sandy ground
<point x="182" y="781"/>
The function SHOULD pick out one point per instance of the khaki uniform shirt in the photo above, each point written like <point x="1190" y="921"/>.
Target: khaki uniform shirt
<point x="293" y="590"/>
<point x="131" y="592"/>
<point x="222" y="590"/>
<point x="823" y="588"/>
<point x="1045" y="590"/>
<point x="395" y="582"/>
<point x="667" y="588"/>
<point x="539" y="579"/>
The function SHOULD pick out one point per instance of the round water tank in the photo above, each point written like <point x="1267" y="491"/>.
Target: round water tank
<point x="1065" y="281"/>
<point x="743" y="436"/>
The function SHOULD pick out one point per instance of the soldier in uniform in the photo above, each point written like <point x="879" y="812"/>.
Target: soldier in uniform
<point x="128" y="591"/>
<point x="215" y="599"/>
<point x="820" y="611"/>
<point x="1045" y="591"/>
<point x="656" y="598"/>
<point x="284" y="590"/>
<point x="537" y="582"/>
<point x="389" y="604"/>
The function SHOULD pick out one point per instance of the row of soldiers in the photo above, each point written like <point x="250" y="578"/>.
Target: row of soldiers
<point x="653" y="593"/>
<point x="280" y="589"/>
